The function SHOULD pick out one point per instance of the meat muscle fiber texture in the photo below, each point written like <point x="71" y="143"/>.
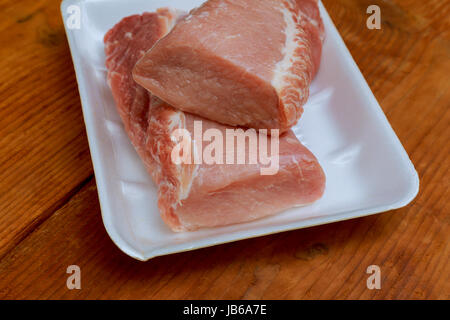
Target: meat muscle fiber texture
<point x="192" y="196"/>
<point x="238" y="62"/>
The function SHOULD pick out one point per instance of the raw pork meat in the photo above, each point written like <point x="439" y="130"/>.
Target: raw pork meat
<point x="238" y="62"/>
<point x="193" y="196"/>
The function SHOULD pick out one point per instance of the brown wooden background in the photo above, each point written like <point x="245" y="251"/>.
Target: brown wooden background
<point x="49" y="211"/>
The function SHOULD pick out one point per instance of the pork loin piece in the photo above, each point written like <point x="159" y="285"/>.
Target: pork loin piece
<point x="238" y="62"/>
<point x="193" y="196"/>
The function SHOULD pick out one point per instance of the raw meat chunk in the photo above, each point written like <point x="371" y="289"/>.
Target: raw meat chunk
<point x="238" y="62"/>
<point x="193" y="196"/>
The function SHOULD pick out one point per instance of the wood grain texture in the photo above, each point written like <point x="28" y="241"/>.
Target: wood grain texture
<point x="44" y="152"/>
<point x="49" y="212"/>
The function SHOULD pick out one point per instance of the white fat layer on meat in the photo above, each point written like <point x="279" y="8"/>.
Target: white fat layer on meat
<point x="314" y="22"/>
<point x="299" y="167"/>
<point x="282" y="68"/>
<point x="177" y="121"/>
<point x="283" y="73"/>
<point x="172" y="20"/>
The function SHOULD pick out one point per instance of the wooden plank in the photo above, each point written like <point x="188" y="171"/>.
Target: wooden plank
<point x="324" y="262"/>
<point x="44" y="152"/>
<point x="406" y="64"/>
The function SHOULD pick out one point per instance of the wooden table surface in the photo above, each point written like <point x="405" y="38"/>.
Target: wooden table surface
<point x="50" y="215"/>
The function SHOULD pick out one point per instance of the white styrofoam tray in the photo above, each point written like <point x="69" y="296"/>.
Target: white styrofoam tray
<point x="367" y="169"/>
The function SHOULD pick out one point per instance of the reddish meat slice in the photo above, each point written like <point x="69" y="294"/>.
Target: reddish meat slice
<point x="238" y="62"/>
<point x="193" y="196"/>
